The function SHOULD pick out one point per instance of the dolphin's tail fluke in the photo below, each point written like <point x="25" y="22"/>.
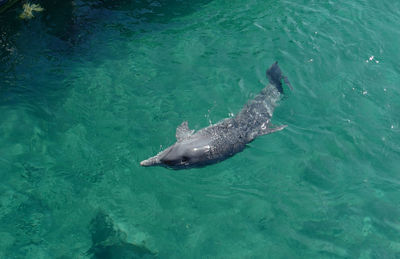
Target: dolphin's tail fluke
<point x="275" y="77"/>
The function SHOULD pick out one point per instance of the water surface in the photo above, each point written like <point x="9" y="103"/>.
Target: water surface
<point x="88" y="89"/>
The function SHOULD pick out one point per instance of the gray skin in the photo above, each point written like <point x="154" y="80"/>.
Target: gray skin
<point x="228" y="137"/>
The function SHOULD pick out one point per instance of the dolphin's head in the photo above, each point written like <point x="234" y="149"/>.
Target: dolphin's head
<point x="183" y="154"/>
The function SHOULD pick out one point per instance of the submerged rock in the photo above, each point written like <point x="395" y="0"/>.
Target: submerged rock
<point x="109" y="242"/>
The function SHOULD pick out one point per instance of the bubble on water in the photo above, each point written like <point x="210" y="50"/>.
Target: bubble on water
<point x="371" y="58"/>
<point x="364" y="92"/>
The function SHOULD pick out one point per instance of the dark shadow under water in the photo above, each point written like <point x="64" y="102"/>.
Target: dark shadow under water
<point x="108" y="242"/>
<point x="60" y="33"/>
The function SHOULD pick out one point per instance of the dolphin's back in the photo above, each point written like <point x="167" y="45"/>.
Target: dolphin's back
<point x="255" y="117"/>
<point x="225" y="139"/>
<point x="232" y="134"/>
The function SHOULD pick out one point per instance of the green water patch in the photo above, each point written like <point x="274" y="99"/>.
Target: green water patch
<point x="85" y="97"/>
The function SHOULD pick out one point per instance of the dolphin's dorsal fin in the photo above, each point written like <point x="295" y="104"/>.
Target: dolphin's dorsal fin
<point x="183" y="131"/>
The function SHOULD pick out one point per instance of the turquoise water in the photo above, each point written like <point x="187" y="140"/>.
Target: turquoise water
<point x="89" y="89"/>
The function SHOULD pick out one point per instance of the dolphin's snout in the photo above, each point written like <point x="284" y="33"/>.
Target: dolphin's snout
<point x="149" y="162"/>
<point x="144" y="163"/>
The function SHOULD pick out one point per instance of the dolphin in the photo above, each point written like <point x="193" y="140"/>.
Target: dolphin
<point x="227" y="137"/>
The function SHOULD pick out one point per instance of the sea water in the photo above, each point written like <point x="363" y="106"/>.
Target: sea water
<point x="88" y="89"/>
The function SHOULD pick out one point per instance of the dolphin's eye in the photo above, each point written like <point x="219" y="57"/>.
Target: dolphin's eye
<point x="185" y="159"/>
